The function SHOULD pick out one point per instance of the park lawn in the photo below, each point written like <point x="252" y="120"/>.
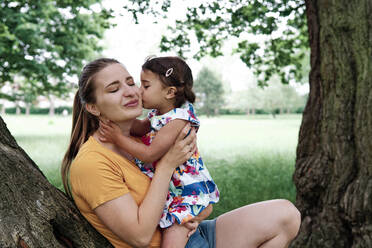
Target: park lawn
<point x="251" y="158"/>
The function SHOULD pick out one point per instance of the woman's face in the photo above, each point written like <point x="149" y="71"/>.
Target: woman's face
<point x="117" y="97"/>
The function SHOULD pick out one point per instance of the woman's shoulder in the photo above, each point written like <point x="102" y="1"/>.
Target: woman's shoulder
<point x="90" y="149"/>
<point x="92" y="156"/>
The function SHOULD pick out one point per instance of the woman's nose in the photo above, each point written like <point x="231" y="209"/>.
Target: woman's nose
<point x="127" y="90"/>
<point x="131" y="90"/>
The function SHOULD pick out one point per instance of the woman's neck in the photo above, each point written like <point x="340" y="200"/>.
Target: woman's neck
<point x="125" y="128"/>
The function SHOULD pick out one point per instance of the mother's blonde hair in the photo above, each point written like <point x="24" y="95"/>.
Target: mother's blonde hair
<point x="84" y="124"/>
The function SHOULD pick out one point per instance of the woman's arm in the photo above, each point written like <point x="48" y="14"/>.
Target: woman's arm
<point x="140" y="127"/>
<point x="136" y="224"/>
<point x="160" y="145"/>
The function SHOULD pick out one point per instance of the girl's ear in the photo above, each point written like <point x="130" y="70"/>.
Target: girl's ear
<point x="92" y="108"/>
<point x="171" y="92"/>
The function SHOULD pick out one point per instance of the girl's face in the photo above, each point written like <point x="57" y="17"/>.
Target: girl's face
<point x="154" y="94"/>
<point x="117" y="97"/>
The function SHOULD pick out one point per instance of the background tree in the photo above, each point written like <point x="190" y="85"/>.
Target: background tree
<point x="334" y="163"/>
<point x="276" y="98"/>
<point x="280" y="25"/>
<point x="42" y="43"/>
<point x="279" y="98"/>
<point x="28" y="96"/>
<point x="48" y="41"/>
<point x="209" y="92"/>
<point x="248" y="100"/>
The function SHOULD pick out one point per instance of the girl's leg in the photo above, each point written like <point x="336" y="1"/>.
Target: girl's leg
<point x="174" y="236"/>
<point x="268" y="224"/>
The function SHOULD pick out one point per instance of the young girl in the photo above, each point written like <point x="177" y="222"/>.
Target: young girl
<point x="166" y="84"/>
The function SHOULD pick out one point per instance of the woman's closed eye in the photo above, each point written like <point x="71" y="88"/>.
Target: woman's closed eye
<point x="131" y="83"/>
<point x="113" y="90"/>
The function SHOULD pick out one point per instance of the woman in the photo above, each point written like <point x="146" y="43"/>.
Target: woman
<point x="121" y="202"/>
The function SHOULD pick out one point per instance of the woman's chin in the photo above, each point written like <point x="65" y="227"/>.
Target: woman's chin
<point x="137" y="112"/>
<point x="140" y="112"/>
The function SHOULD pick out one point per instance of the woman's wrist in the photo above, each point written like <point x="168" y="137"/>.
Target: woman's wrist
<point x="163" y="168"/>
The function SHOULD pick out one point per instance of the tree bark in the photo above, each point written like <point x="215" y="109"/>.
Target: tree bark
<point x="334" y="158"/>
<point x="33" y="213"/>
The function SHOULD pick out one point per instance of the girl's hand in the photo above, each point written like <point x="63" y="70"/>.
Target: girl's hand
<point x="108" y="131"/>
<point x="183" y="148"/>
<point x="191" y="225"/>
<point x="194" y="222"/>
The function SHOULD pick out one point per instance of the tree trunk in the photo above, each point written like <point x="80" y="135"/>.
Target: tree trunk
<point x="334" y="158"/>
<point x="2" y="112"/>
<point x="33" y="213"/>
<point x="18" y="110"/>
<point x="51" y="107"/>
<point x="28" y="107"/>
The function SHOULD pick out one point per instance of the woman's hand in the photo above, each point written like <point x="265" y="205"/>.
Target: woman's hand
<point x="108" y="131"/>
<point x="183" y="148"/>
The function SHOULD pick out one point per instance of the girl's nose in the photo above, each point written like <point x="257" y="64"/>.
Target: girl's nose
<point x="141" y="90"/>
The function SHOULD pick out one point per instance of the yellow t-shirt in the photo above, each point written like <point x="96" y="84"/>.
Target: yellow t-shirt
<point x="98" y="175"/>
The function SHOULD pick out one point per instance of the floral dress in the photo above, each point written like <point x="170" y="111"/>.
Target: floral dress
<point x="191" y="188"/>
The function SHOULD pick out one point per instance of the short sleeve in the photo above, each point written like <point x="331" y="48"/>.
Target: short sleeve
<point x="97" y="181"/>
<point x="151" y="114"/>
<point x="185" y="112"/>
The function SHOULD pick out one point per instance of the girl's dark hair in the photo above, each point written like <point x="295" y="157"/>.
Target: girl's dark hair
<point x="84" y="124"/>
<point x="173" y="71"/>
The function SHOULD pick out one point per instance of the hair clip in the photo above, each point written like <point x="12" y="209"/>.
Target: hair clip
<point x="169" y="72"/>
<point x="150" y="57"/>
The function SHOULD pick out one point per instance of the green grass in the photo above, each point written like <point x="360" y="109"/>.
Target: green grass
<point x="44" y="139"/>
<point x="251" y="158"/>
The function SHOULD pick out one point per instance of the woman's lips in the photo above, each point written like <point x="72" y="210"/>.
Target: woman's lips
<point x="132" y="103"/>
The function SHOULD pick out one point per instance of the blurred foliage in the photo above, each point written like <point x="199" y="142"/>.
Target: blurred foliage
<point x="279" y="28"/>
<point x="209" y="92"/>
<point x="39" y="111"/>
<point x="277" y="98"/>
<point x="43" y="43"/>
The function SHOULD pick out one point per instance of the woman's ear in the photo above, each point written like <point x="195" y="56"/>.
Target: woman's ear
<point x="92" y="108"/>
<point x="171" y="92"/>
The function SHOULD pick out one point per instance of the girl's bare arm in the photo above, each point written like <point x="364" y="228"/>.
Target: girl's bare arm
<point x="160" y="145"/>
